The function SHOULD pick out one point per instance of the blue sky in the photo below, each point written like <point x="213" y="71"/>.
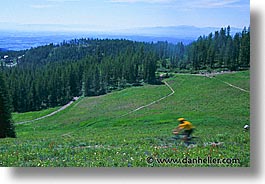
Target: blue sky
<point x="123" y="14"/>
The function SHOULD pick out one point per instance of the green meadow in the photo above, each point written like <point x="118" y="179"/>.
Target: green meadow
<point x="104" y="132"/>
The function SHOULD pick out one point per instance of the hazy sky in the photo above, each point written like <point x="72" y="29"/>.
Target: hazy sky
<point x="119" y="14"/>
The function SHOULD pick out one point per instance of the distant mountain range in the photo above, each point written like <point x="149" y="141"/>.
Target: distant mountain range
<point x="25" y="39"/>
<point x="184" y="31"/>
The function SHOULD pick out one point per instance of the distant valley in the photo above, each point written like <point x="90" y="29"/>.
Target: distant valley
<point x="25" y="39"/>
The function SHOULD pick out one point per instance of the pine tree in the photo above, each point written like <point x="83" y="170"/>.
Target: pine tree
<point x="235" y="53"/>
<point x="228" y="53"/>
<point x="244" y="54"/>
<point x="6" y="124"/>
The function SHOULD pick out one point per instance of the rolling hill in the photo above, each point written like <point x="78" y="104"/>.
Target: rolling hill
<point x="99" y="131"/>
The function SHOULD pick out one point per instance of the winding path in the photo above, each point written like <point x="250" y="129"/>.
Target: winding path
<point x="138" y="108"/>
<point x="147" y="105"/>
<point x="76" y="98"/>
<point x="51" y="114"/>
<point x="211" y="76"/>
<point x="233" y="86"/>
<point x="130" y="112"/>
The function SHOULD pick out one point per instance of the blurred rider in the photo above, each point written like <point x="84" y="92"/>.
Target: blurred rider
<point x="184" y="126"/>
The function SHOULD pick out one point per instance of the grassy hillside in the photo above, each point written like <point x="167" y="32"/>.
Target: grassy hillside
<point x="27" y="116"/>
<point x="96" y="131"/>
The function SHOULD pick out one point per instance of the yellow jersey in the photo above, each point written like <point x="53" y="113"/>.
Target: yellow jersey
<point x="185" y="125"/>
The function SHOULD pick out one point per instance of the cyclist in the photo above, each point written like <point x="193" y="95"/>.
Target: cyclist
<point x="185" y="126"/>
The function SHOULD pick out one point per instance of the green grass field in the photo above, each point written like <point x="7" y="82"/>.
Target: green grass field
<point x="20" y="117"/>
<point x="94" y="133"/>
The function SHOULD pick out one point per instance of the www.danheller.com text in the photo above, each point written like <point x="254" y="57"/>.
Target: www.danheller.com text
<point x="197" y="160"/>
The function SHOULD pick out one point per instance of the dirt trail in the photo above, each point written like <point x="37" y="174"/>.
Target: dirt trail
<point x="156" y="101"/>
<point x="130" y="112"/>
<point x="76" y="98"/>
<point x="144" y="106"/>
<point x="233" y="86"/>
<point x="212" y="76"/>
<point x="51" y="114"/>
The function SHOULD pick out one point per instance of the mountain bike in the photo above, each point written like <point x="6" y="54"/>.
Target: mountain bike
<point x="183" y="139"/>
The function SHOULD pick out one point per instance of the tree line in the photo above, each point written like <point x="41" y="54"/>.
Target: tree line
<point x="219" y="50"/>
<point x="6" y="124"/>
<point x="53" y="74"/>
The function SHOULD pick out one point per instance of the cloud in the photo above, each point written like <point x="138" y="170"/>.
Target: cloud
<point x="190" y="4"/>
<point x="217" y="3"/>
<point x="141" y="1"/>
<point x="50" y="3"/>
<point x="41" y="6"/>
<point x="62" y="1"/>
